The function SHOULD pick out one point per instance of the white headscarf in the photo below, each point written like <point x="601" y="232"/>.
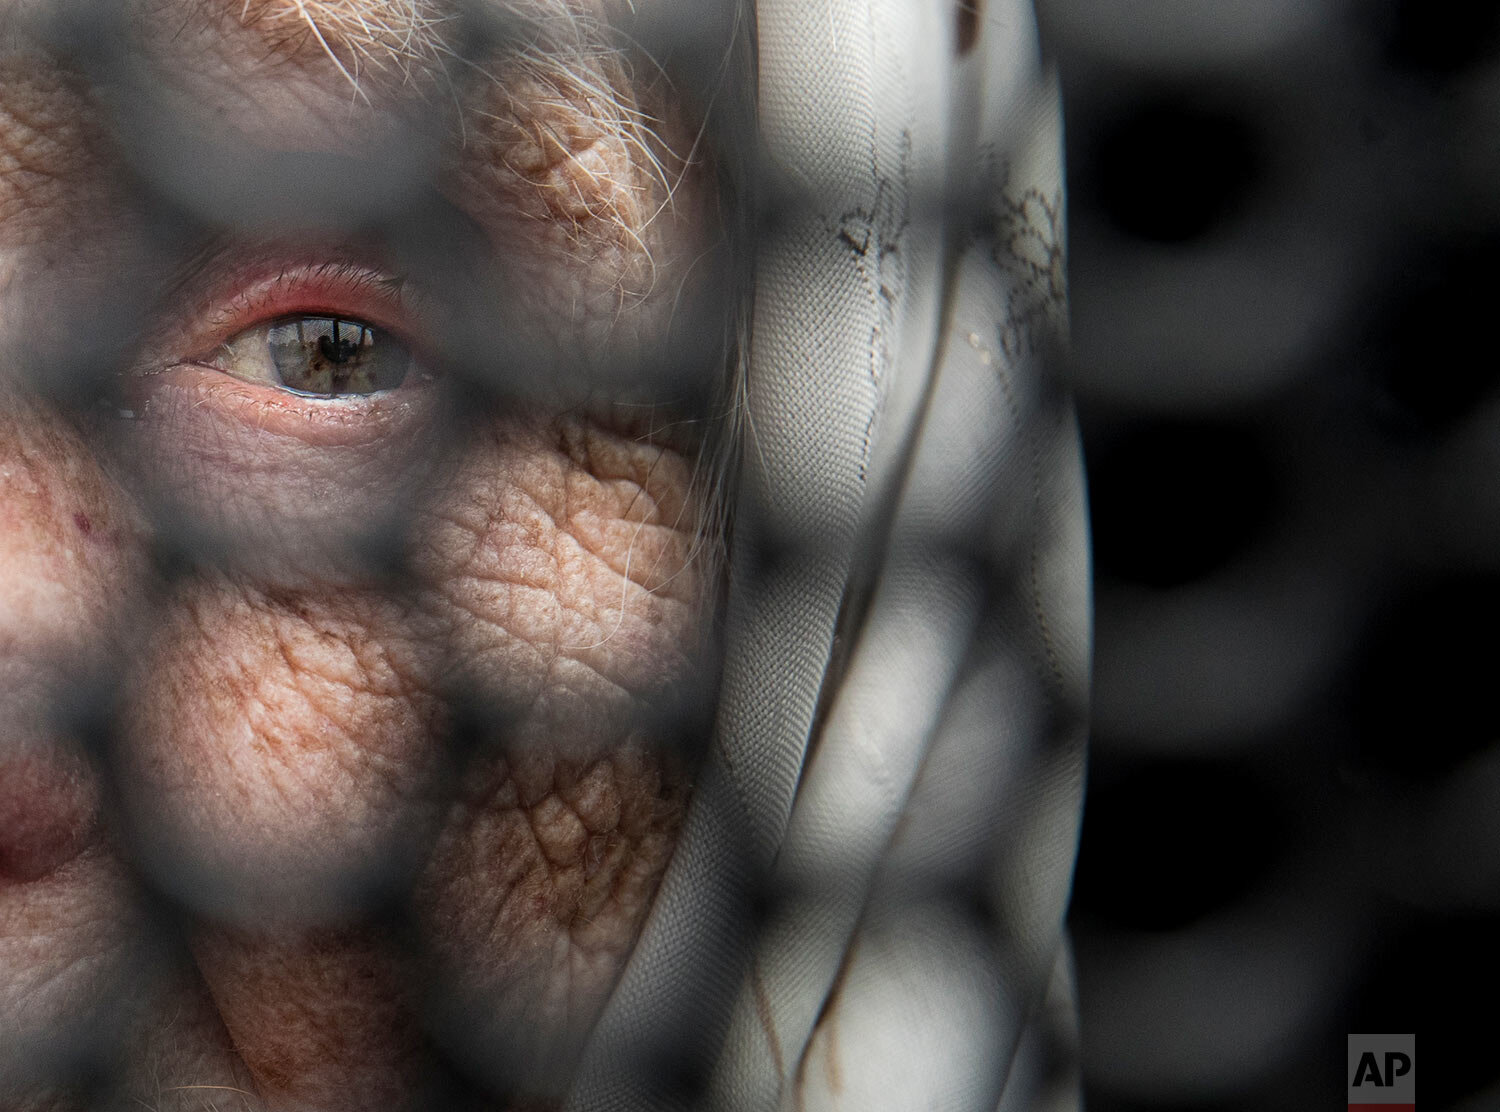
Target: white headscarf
<point x="865" y="910"/>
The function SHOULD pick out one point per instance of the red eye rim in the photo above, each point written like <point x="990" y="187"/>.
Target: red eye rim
<point x="175" y="377"/>
<point x="266" y="296"/>
<point x="232" y="288"/>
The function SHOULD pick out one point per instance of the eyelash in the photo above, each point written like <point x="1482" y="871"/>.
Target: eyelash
<point x="347" y="290"/>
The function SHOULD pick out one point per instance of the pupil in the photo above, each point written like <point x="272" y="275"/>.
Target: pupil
<point x="337" y="350"/>
<point x="330" y="355"/>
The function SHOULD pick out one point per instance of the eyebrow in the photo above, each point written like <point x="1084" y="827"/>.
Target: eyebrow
<point x="405" y="37"/>
<point x="414" y="38"/>
<point x="546" y="95"/>
<point x="562" y="53"/>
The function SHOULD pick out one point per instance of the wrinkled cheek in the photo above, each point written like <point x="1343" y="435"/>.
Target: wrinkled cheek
<point x="578" y="619"/>
<point x="437" y="812"/>
<point x="280" y="783"/>
<point x="532" y="904"/>
<point x="279" y="761"/>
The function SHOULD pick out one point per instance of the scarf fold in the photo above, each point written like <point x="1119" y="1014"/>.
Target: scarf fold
<point x="866" y="907"/>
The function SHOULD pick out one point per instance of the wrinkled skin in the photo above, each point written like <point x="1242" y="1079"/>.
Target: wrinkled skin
<point x="284" y="825"/>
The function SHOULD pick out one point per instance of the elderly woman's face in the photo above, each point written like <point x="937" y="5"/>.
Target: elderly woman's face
<point x="354" y="601"/>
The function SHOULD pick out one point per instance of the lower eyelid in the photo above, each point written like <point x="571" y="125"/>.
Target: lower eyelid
<point x="201" y="395"/>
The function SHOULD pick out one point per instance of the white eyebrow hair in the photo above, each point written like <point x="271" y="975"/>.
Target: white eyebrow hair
<point x="560" y="43"/>
<point x="359" y="36"/>
<point x="415" y="37"/>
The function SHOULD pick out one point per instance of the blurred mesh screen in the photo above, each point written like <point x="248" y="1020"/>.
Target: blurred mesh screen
<point x="1283" y="270"/>
<point x="1283" y="233"/>
<point x="545" y="566"/>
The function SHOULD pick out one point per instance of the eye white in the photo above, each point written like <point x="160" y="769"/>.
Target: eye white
<point x="321" y="356"/>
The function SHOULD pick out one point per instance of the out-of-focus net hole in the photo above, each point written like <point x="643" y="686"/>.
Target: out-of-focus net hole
<point x="1430" y="355"/>
<point x="1424" y="681"/>
<point x="1172" y="501"/>
<point x="1168" y="842"/>
<point x="1173" y="167"/>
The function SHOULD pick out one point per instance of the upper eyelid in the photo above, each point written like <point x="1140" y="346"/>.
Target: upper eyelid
<point x="229" y="296"/>
<point x="215" y="277"/>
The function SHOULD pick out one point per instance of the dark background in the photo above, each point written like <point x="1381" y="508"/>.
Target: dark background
<point x="1285" y="268"/>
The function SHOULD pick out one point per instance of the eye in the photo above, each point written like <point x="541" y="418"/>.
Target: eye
<point x="317" y="356"/>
